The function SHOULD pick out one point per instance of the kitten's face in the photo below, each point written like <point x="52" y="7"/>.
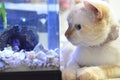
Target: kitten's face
<point x="88" y="24"/>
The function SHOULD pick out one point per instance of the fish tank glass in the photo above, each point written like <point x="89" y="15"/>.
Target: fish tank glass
<point x="29" y="39"/>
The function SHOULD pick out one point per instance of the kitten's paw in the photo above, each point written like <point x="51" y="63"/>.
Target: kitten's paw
<point x="86" y="74"/>
<point x="68" y="74"/>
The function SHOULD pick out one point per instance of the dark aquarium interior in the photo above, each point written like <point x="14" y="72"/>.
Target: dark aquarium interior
<point x="29" y="36"/>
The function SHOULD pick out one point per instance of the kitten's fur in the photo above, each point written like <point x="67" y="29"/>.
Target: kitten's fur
<point x="95" y="32"/>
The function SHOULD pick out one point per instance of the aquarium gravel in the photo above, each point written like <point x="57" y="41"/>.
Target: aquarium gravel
<point x="37" y="59"/>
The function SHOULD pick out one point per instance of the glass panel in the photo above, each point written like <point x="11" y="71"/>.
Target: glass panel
<point x="29" y="35"/>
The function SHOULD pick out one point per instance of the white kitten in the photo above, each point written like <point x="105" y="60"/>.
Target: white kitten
<point x="95" y="32"/>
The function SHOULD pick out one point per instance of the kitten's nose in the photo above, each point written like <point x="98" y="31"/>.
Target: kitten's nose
<point x="69" y="32"/>
<point x="66" y="34"/>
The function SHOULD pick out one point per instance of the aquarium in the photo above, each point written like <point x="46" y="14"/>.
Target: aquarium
<point x="29" y="39"/>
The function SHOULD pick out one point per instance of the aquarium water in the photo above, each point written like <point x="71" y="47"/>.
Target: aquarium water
<point x="29" y="35"/>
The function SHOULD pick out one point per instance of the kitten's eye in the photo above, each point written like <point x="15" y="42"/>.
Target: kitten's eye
<point x="78" y="26"/>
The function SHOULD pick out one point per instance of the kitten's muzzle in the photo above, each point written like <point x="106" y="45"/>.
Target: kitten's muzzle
<point x="69" y="32"/>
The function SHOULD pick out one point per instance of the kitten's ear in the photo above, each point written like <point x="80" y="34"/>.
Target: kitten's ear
<point x="92" y="7"/>
<point x="114" y="33"/>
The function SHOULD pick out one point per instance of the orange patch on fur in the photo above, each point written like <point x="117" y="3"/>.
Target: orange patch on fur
<point x="82" y="8"/>
<point x="111" y="71"/>
<point x="86" y="29"/>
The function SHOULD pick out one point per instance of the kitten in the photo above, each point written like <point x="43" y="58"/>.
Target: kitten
<point x="95" y="32"/>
